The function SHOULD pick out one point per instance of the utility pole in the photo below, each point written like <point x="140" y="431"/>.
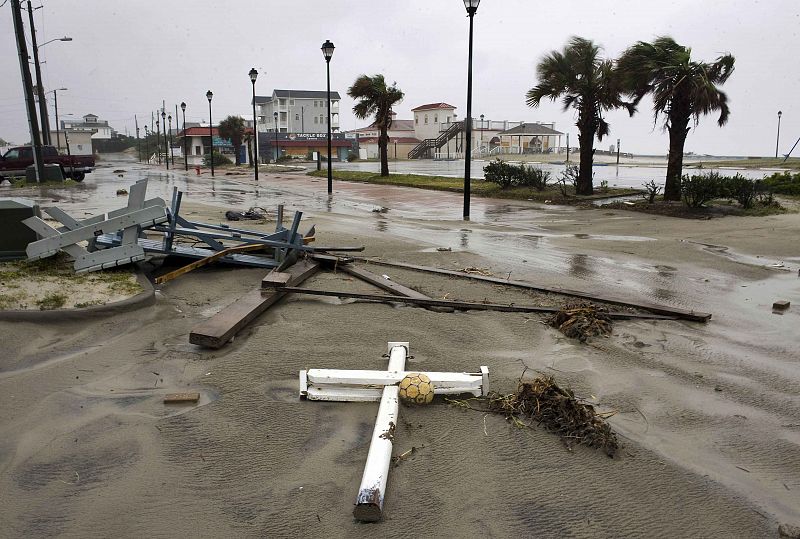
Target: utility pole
<point x="27" y="84"/>
<point x="567" y="148"/>
<point x="617" y="152"/>
<point x="138" y="144"/>
<point x="39" y="85"/>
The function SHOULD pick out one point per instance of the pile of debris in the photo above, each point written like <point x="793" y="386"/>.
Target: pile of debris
<point x="542" y="402"/>
<point x="581" y="321"/>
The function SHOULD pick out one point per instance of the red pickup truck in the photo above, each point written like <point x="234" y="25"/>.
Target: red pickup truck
<point x="17" y="159"/>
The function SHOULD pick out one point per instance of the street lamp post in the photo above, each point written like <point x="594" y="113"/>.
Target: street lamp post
<point x="164" y="127"/>
<point x="171" y="153"/>
<point x="472" y="8"/>
<point x="275" y="115"/>
<point x="147" y="144"/>
<point x="185" y="157"/>
<point x="778" y="141"/>
<point x="480" y="150"/>
<point x="55" y="102"/>
<point x="327" y="52"/>
<point x="158" y="141"/>
<point x="209" y="96"/>
<point x="253" y="76"/>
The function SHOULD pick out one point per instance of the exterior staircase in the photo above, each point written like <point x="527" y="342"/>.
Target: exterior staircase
<point x="424" y="148"/>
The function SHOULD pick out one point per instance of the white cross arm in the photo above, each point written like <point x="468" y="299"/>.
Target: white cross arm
<point x="367" y="385"/>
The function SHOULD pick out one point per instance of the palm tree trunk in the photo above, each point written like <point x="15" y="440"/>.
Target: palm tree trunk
<point x="383" y="144"/>
<point x="677" y="140"/>
<point x="586" y="142"/>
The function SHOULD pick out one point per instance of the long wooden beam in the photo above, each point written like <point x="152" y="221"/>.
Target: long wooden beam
<point x="205" y="261"/>
<point x="665" y="310"/>
<point x="218" y="330"/>
<point x="462" y="305"/>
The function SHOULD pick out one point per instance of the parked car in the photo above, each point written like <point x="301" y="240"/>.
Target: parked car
<point x="17" y="159"/>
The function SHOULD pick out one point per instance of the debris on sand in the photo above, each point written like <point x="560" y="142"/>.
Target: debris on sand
<point x="380" y="209"/>
<point x="477" y="271"/>
<point x="543" y="402"/>
<point x="581" y="321"/>
<point x="253" y="214"/>
<point x="122" y="192"/>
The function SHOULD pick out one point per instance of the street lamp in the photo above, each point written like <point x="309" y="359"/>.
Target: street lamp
<point x="55" y="102"/>
<point x="253" y="76"/>
<point x="472" y="7"/>
<point x="147" y="144"/>
<point x="158" y="141"/>
<point x="164" y="127"/>
<point x="778" y="141"/>
<point x="65" y="38"/>
<point x="209" y="95"/>
<point x="185" y="157"/>
<point x="171" y="153"/>
<point x="327" y="52"/>
<point x="275" y="115"/>
<point x="480" y="150"/>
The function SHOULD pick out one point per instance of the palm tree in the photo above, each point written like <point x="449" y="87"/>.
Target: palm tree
<point x="376" y="98"/>
<point x="682" y="90"/>
<point x="587" y="83"/>
<point x="232" y="128"/>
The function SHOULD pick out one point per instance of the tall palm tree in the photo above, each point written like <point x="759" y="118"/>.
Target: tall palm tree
<point x="232" y="128"/>
<point x="375" y="97"/>
<point x="682" y="90"/>
<point x="587" y="83"/>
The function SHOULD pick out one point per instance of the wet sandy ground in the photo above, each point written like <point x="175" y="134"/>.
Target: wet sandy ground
<point x="709" y="414"/>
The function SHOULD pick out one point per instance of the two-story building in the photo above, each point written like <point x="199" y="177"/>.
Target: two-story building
<point x="299" y="111"/>
<point x="90" y="122"/>
<point x="402" y="138"/>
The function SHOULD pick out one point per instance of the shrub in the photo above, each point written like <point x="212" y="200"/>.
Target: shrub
<point x="701" y="188"/>
<point x="528" y="176"/>
<point x="740" y="188"/>
<point x="499" y="172"/>
<point x="352" y="156"/>
<point x="507" y="175"/>
<point x="783" y="183"/>
<point x="54" y="300"/>
<point x="652" y="190"/>
<point x="284" y="159"/>
<point x="219" y="159"/>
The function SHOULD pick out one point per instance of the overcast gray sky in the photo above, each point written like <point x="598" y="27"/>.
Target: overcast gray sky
<point x="128" y="56"/>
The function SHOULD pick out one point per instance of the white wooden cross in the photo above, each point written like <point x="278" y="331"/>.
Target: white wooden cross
<point x="372" y="386"/>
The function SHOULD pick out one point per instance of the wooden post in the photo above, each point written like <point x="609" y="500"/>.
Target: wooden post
<point x="369" y="503"/>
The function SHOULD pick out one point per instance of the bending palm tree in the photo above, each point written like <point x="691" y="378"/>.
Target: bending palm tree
<point x="586" y="83"/>
<point x="376" y="98"/>
<point x="682" y="89"/>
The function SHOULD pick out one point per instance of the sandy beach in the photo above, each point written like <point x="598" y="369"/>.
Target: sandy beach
<point x="708" y="414"/>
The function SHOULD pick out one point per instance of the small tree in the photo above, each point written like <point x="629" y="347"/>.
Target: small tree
<point x="232" y="128"/>
<point x="375" y="97"/>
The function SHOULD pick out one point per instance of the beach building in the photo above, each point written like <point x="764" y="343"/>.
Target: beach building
<point x="299" y="111"/>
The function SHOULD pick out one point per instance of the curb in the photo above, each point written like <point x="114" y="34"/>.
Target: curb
<point x="142" y="299"/>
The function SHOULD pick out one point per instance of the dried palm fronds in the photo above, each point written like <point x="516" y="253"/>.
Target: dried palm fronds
<point x="581" y="321"/>
<point x="543" y="402"/>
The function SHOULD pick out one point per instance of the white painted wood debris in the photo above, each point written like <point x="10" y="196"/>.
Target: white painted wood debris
<point x="372" y="386"/>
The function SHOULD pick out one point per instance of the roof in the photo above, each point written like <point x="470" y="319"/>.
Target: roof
<point x="433" y="106"/>
<point x="316" y="143"/>
<point x="392" y="140"/>
<point x="262" y="99"/>
<point x="531" y="129"/>
<point x="200" y="131"/>
<point x="306" y="94"/>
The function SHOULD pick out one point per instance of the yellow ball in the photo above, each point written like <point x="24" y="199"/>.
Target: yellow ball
<point x="416" y="388"/>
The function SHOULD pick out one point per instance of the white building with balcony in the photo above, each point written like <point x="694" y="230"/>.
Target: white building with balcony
<point x="299" y="111"/>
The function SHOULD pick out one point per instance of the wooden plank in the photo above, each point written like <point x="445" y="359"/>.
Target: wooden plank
<point x="331" y="261"/>
<point x="276" y="279"/>
<point x="385" y="284"/>
<point x="463" y="305"/>
<point x="665" y="310"/>
<point x="177" y="398"/>
<point x="218" y="330"/>
<point x="205" y="261"/>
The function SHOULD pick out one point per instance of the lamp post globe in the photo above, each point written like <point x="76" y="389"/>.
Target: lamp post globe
<point x="327" y="52"/>
<point x="275" y="116"/>
<point x="253" y="76"/>
<point x="209" y="96"/>
<point x="471" y="6"/>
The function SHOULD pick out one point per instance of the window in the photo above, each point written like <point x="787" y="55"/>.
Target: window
<point x="436" y="118"/>
<point x="291" y="102"/>
<point x="197" y="150"/>
<point x="297" y="117"/>
<point x="416" y="120"/>
<point x="426" y="119"/>
<point x="11" y="154"/>
<point x="80" y="146"/>
<point x="26" y="153"/>
<point x="316" y="120"/>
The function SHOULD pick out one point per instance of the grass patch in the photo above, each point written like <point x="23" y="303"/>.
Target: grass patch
<point x="8" y="301"/>
<point x="478" y="188"/>
<point x="750" y="162"/>
<point x="22" y="183"/>
<point x="55" y="300"/>
<point x="716" y="208"/>
<point x="84" y="304"/>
